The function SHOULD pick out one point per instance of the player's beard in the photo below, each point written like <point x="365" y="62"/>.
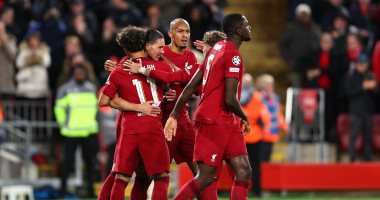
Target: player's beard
<point x="182" y="47"/>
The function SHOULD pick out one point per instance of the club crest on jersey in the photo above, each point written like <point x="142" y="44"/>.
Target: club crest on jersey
<point x="236" y="60"/>
<point x="188" y="68"/>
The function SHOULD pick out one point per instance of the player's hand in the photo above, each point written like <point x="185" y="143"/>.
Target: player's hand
<point x="148" y="108"/>
<point x="170" y="128"/>
<point x="170" y="95"/>
<point x="199" y="44"/>
<point x="110" y="65"/>
<point x="245" y="126"/>
<point x="132" y="66"/>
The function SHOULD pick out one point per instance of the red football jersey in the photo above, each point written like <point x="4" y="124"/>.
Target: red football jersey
<point x="136" y="88"/>
<point x="223" y="61"/>
<point x="186" y="61"/>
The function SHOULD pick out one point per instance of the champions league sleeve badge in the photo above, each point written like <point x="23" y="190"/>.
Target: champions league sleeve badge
<point x="236" y="60"/>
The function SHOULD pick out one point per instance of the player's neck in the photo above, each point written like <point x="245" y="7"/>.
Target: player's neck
<point x="138" y="54"/>
<point x="235" y="40"/>
<point x="176" y="49"/>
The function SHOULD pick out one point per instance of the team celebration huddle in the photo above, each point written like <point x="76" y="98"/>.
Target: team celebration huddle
<point x="151" y="86"/>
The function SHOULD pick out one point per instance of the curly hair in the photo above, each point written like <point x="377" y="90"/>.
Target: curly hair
<point x="131" y="38"/>
<point x="212" y="37"/>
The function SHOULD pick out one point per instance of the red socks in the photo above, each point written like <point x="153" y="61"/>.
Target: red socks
<point x="188" y="191"/>
<point x="239" y="190"/>
<point x="210" y="192"/>
<point x="105" y="191"/>
<point x="160" y="190"/>
<point x="140" y="188"/>
<point x="118" y="189"/>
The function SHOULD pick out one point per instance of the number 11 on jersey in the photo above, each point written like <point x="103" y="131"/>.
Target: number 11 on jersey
<point x="140" y="92"/>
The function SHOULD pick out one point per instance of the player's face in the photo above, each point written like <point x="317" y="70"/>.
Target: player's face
<point x="180" y="34"/>
<point x="245" y="30"/>
<point x="156" y="49"/>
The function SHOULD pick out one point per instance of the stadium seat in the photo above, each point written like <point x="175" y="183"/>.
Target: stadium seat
<point x="344" y="128"/>
<point x="376" y="133"/>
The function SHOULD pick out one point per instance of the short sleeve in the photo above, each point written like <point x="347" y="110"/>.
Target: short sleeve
<point x="233" y="64"/>
<point x="111" y="85"/>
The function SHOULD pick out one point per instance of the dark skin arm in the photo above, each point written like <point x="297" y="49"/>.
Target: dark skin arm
<point x="233" y="104"/>
<point x="171" y="123"/>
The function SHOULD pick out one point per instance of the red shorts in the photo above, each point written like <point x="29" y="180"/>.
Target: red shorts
<point x="236" y="144"/>
<point x="147" y="148"/>
<point x="181" y="147"/>
<point x="211" y="141"/>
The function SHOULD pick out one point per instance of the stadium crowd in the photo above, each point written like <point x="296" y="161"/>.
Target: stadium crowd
<point x="334" y="45"/>
<point x="70" y="32"/>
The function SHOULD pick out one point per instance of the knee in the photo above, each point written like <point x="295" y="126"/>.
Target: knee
<point x="205" y="181"/>
<point x="244" y="173"/>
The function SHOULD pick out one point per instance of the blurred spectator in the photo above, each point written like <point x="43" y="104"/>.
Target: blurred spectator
<point x="360" y="87"/>
<point x="200" y="18"/>
<point x="330" y="11"/>
<point x="169" y="10"/>
<point x="376" y="21"/>
<point x="72" y="61"/>
<point x="32" y="61"/>
<point x="79" y="28"/>
<point x="216" y="10"/>
<point x="106" y="48"/>
<point x="360" y="14"/>
<point x="75" y="111"/>
<point x="322" y="74"/>
<point x="8" y="50"/>
<point x="72" y="45"/>
<point x="299" y="40"/>
<point x="271" y="113"/>
<point x="376" y="71"/>
<point x="314" y="5"/>
<point x="78" y="7"/>
<point x="125" y="13"/>
<point x="339" y="32"/>
<point x="354" y="49"/>
<point x="251" y="101"/>
<point x="53" y="32"/>
<point x="7" y="16"/>
<point x="39" y="7"/>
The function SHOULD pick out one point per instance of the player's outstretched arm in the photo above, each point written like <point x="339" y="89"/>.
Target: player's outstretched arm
<point x="171" y="124"/>
<point x="158" y="75"/>
<point x="232" y="103"/>
<point x="123" y="105"/>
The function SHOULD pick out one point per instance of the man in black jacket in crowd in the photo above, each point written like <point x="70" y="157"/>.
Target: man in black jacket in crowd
<point x="360" y="87"/>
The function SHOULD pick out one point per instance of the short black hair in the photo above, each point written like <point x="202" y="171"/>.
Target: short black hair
<point x="131" y="38"/>
<point x="231" y="22"/>
<point x="152" y="35"/>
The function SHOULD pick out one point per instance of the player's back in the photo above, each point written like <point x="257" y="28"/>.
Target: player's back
<point x="138" y="89"/>
<point x="223" y="61"/>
